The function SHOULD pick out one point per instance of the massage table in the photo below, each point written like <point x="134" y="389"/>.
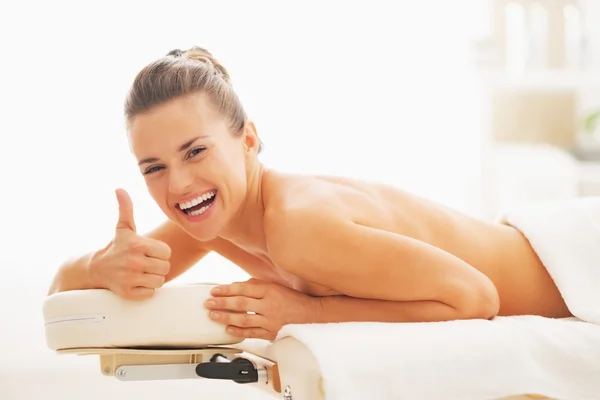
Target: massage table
<point x="171" y="337"/>
<point x="166" y="337"/>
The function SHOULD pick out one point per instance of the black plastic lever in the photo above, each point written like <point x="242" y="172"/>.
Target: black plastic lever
<point x="239" y="370"/>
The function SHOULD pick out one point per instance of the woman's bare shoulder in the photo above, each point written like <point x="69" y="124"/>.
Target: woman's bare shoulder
<point x="296" y="208"/>
<point x="304" y="199"/>
<point x="286" y="195"/>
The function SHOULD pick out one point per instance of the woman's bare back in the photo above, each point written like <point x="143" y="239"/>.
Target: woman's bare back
<point x="498" y="251"/>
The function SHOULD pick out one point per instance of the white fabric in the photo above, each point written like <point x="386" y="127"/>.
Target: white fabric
<point x="460" y="360"/>
<point x="174" y="317"/>
<point x="566" y="236"/>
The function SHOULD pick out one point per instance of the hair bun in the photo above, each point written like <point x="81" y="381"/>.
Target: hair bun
<point x="203" y="56"/>
<point x="175" y="53"/>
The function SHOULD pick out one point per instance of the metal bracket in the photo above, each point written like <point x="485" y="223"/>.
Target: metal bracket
<point x="145" y="364"/>
<point x="156" y="372"/>
<point x="239" y="370"/>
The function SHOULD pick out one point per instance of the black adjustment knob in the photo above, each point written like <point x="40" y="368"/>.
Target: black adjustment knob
<point x="239" y="370"/>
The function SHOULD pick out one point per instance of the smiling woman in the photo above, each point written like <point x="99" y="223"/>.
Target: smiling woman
<point x="341" y="248"/>
<point x="182" y="111"/>
<point x="187" y="150"/>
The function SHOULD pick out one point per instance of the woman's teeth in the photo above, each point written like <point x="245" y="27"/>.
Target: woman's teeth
<point x="196" y="207"/>
<point x="198" y="212"/>
<point x="197" y="200"/>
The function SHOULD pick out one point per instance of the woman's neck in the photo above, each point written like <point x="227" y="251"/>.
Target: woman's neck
<point x="246" y="228"/>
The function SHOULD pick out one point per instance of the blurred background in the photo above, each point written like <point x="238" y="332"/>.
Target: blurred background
<point x="482" y="105"/>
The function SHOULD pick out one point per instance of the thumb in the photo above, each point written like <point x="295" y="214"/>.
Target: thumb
<point x="126" y="220"/>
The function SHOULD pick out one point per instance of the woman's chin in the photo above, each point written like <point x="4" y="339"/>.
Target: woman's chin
<point x="204" y="237"/>
<point x="198" y="228"/>
<point x="202" y="232"/>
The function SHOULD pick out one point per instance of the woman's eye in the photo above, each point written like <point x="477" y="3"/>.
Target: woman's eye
<point x="152" y="170"/>
<point x="196" y="151"/>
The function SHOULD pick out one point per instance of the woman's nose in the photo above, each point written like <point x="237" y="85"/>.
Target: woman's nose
<point x="180" y="180"/>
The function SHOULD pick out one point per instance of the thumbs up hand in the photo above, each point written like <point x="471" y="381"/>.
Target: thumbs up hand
<point x="126" y="220"/>
<point x="132" y="266"/>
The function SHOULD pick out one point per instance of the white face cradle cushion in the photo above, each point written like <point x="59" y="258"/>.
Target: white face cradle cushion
<point x="174" y="317"/>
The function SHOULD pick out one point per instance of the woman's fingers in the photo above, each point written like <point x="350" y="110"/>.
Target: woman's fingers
<point x="242" y="320"/>
<point x="251" y="288"/>
<point x="156" y="266"/>
<point x="152" y="281"/>
<point x="236" y="304"/>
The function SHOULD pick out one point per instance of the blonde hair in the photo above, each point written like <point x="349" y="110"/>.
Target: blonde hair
<point x="181" y="73"/>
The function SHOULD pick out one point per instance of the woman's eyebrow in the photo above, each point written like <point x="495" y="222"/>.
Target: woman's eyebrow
<point x="183" y="147"/>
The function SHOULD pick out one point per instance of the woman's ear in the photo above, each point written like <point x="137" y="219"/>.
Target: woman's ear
<point x="250" y="137"/>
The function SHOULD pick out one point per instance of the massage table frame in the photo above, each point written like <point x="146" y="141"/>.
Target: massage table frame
<point x="235" y="364"/>
<point x="130" y="364"/>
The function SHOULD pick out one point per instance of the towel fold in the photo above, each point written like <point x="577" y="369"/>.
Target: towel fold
<point x="480" y="359"/>
<point x="455" y="360"/>
<point x="566" y="237"/>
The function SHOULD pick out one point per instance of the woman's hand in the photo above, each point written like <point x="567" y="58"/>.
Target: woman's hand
<point x="132" y="266"/>
<point x="258" y="309"/>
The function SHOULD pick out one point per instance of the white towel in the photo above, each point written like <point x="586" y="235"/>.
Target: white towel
<point x="481" y="359"/>
<point x="462" y="360"/>
<point x="566" y="237"/>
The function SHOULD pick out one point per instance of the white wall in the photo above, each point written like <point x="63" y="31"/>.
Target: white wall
<point x="383" y="87"/>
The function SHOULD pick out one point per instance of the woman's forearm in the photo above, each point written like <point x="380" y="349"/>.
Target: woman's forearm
<point x="73" y="274"/>
<point x="350" y="309"/>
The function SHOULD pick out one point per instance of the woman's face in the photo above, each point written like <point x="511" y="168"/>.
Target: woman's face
<point x="194" y="167"/>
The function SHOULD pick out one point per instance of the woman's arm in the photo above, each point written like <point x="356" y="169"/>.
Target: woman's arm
<point x="321" y="247"/>
<point x="352" y="309"/>
<point x="74" y="273"/>
<point x="259" y="309"/>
